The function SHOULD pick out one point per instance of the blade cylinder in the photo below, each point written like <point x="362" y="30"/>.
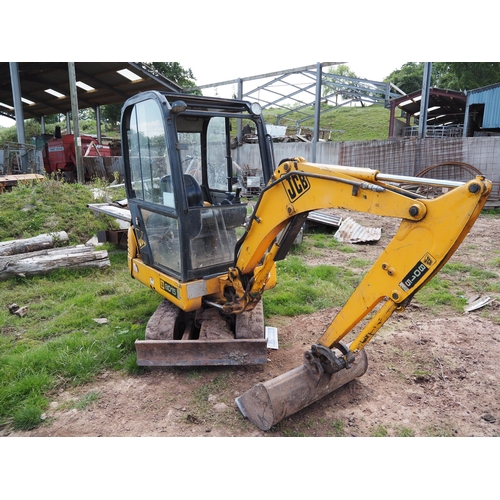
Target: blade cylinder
<point x="266" y="404"/>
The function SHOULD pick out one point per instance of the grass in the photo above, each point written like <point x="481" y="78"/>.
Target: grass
<point x="86" y="400"/>
<point x="347" y="123"/>
<point x="453" y="284"/>
<point x="338" y="428"/>
<point x="323" y="240"/>
<point x="304" y="289"/>
<point x="58" y="343"/>
<point x="379" y="431"/>
<point x="29" y="210"/>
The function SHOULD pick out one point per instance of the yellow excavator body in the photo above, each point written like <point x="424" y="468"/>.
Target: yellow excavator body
<point x="211" y="256"/>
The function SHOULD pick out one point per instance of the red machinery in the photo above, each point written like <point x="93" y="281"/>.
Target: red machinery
<point x="60" y="154"/>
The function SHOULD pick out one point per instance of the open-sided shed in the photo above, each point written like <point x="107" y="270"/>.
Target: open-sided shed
<point x="445" y="107"/>
<point x="45" y="86"/>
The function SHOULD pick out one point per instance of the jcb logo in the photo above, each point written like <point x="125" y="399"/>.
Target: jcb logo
<point x="295" y="186"/>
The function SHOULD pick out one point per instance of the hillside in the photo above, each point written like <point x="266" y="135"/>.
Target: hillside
<point x="358" y="123"/>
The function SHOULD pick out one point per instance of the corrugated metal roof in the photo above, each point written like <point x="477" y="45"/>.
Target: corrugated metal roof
<point x="109" y="86"/>
<point x="444" y="106"/>
<point x="490" y="97"/>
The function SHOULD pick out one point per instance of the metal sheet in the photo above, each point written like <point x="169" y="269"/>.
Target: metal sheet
<point x="352" y="232"/>
<point x="324" y="218"/>
<point x="477" y="304"/>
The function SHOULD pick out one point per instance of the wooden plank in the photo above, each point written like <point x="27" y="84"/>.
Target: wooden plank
<point x="112" y="210"/>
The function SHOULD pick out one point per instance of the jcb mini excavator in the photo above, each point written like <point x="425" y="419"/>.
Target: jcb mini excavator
<point x="192" y="241"/>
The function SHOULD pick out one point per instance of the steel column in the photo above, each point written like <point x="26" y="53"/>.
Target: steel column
<point x="424" y="103"/>
<point x="317" y="109"/>
<point x="74" y="111"/>
<point x="18" y="104"/>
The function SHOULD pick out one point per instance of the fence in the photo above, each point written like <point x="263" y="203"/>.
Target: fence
<point x="395" y="156"/>
<point x="399" y="157"/>
<point x="435" y="131"/>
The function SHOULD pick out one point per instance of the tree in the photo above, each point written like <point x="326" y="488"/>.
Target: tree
<point x="111" y="114"/>
<point x="409" y="77"/>
<point x="466" y="75"/>
<point x="446" y="75"/>
<point x="173" y="71"/>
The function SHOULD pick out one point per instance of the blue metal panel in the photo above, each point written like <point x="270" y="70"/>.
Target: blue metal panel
<point x="490" y="97"/>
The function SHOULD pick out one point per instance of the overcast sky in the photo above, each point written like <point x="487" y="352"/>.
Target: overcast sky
<point x="207" y="72"/>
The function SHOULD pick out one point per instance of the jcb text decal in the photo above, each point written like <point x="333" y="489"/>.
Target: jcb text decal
<point x="418" y="272"/>
<point x="295" y="186"/>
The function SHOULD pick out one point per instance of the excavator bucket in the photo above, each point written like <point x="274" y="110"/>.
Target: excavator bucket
<point x="268" y="403"/>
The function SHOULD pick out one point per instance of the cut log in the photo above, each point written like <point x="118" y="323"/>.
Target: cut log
<point x="27" y="245"/>
<point x="49" y="260"/>
<point x="7" y="260"/>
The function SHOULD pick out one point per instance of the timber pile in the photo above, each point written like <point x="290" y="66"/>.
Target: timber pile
<point x="37" y="255"/>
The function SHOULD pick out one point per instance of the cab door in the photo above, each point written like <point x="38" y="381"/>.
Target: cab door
<point x="149" y="179"/>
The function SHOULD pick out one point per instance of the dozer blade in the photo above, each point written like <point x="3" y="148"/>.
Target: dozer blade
<point x="170" y="342"/>
<point x="268" y="403"/>
<point x="201" y="353"/>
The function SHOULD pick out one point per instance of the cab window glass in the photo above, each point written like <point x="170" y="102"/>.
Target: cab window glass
<point x="217" y="154"/>
<point x="149" y="161"/>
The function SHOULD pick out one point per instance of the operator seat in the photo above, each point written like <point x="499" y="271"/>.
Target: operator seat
<point x="193" y="190"/>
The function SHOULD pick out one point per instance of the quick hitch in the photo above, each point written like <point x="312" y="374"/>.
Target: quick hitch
<point x="320" y="359"/>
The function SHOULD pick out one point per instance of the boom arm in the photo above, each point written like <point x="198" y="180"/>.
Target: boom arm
<point x="430" y="232"/>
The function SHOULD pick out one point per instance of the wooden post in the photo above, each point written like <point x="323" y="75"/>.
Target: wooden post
<point x="80" y="173"/>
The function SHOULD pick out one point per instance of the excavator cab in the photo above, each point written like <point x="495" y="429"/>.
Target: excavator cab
<point x="185" y="206"/>
<point x="180" y="181"/>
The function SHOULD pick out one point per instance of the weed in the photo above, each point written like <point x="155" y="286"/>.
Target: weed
<point x="28" y="415"/>
<point x="338" y="428"/>
<point x="324" y="240"/>
<point x="27" y="418"/>
<point x="440" y="431"/>
<point x="405" y="432"/>
<point x="357" y="262"/>
<point x="421" y="375"/>
<point x="292" y="433"/>
<point x="86" y="400"/>
<point x="201" y="394"/>
<point x="193" y="375"/>
<point x="379" y="431"/>
<point x="437" y="294"/>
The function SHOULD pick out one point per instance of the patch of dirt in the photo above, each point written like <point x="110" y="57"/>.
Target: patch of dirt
<point x="428" y="375"/>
